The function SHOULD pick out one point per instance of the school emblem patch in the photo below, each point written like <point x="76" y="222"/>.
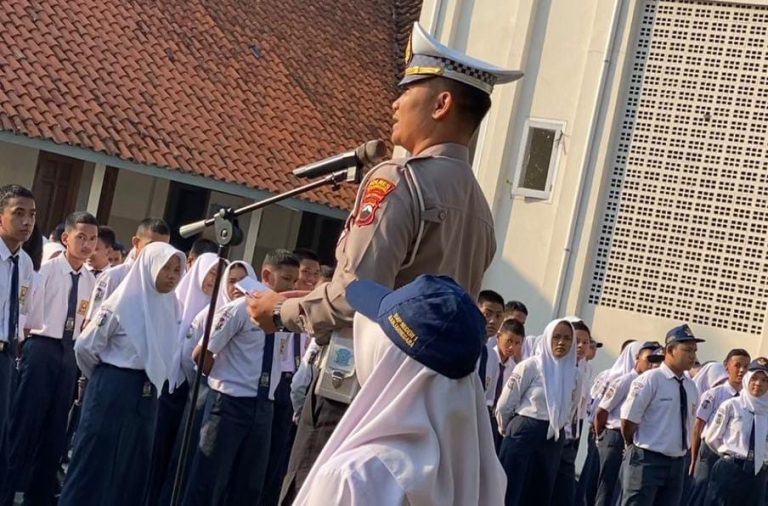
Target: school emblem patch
<point x="102" y="318"/>
<point x="23" y="295"/>
<point x="223" y="319"/>
<point x="375" y="193"/>
<point x="99" y="293"/>
<point x="82" y="308"/>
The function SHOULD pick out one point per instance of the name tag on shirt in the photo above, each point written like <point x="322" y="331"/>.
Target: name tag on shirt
<point x="23" y="295"/>
<point x="82" y="308"/>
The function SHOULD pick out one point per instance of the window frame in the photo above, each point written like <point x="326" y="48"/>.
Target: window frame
<point x="554" y="160"/>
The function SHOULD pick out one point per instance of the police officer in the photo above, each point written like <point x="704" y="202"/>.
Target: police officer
<point x="422" y="214"/>
<point x="657" y="423"/>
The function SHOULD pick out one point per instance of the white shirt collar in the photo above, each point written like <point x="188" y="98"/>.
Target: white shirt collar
<point x="5" y="253"/>
<point x="498" y="356"/>
<point x="65" y="266"/>
<point x="668" y="372"/>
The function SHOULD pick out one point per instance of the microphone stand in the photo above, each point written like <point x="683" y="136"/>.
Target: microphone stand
<point x="228" y="234"/>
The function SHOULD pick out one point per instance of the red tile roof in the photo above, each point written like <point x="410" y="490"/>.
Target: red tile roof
<point x="237" y="90"/>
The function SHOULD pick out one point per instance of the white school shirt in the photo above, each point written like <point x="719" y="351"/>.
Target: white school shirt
<point x="711" y="400"/>
<point x="106" y="283"/>
<point x="615" y="395"/>
<point x="238" y="347"/>
<point x="104" y="340"/>
<point x="731" y="429"/>
<point x="495" y="359"/>
<point x="654" y="404"/>
<point x="524" y="394"/>
<point x="26" y="280"/>
<point x="49" y="309"/>
<point x="599" y="387"/>
<point x="290" y="358"/>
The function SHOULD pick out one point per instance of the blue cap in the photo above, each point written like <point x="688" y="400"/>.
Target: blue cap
<point x="682" y="334"/>
<point x="759" y="364"/>
<point x="657" y="356"/>
<point x="431" y="319"/>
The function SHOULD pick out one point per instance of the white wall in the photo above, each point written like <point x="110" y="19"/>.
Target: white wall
<point x="136" y="197"/>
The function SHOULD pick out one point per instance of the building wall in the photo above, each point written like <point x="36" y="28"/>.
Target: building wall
<point x="136" y="197"/>
<point x="17" y="164"/>
<point x="572" y="77"/>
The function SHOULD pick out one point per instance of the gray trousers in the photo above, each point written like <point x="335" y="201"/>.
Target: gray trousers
<point x="700" y="481"/>
<point x="652" y="479"/>
<point x="730" y="485"/>
<point x="611" y="451"/>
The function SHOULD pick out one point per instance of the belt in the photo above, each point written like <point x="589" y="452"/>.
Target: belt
<point x="741" y="462"/>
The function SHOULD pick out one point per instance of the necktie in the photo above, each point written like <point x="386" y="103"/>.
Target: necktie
<point x="749" y="462"/>
<point x="483" y="365"/>
<point x="13" y="310"/>
<point x="499" y="384"/>
<point x="69" y="325"/>
<point x="683" y="412"/>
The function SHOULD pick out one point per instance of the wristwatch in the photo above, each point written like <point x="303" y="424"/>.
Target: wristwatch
<point x="277" y="319"/>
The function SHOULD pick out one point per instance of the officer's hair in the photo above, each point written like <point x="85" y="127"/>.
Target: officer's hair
<point x="13" y="191"/>
<point x="580" y="325"/>
<point x="627" y="343"/>
<point x="280" y="258"/>
<point x="153" y="225"/>
<point x="737" y="352"/>
<point x="515" y="305"/>
<point x="107" y="236"/>
<point x="306" y="254"/>
<point x="203" y="245"/>
<point x="471" y="103"/>
<point x="490" y="296"/>
<point x="79" y="218"/>
<point x="512" y="326"/>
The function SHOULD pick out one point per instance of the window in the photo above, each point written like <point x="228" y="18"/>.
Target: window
<point x="539" y="154"/>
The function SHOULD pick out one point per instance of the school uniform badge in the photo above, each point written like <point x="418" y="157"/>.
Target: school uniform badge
<point x="82" y="308"/>
<point x="23" y="295"/>
<point x="375" y="193"/>
<point x="103" y="315"/>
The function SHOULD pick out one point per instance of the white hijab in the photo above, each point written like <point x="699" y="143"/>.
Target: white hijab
<point x="626" y="361"/>
<point x="150" y="319"/>
<point x="758" y="406"/>
<point x="560" y="378"/>
<point x="710" y="375"/>
<point x="431" y="433"/>
<point x="190" y="290"/>
<point x="51" y="250"/>
<point x="224" y="297"/>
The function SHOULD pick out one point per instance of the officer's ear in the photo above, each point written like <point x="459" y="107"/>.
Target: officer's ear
<point x="443" y="104"/>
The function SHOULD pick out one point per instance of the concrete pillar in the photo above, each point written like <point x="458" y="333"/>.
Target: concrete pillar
<point x="97" y="182"/>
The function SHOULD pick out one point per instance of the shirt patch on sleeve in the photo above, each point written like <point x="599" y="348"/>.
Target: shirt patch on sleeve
<point x="103" y="315"/>
<point x="375" y="193"/>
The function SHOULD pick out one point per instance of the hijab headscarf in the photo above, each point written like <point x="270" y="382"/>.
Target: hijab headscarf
<point x="710" y="375"/>
<point x="224" y="297"/>
<point x="193" y="300"/>
<point x="626" y="361"/>
<point x="560" y="378"/>
<point x="149" y="318"/>
<point x="51" y="250"/>
<point x="431" y="433"/>
<point x="759" y="407"/>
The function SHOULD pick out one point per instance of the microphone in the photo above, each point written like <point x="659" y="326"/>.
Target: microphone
<point x="370" y="152"/>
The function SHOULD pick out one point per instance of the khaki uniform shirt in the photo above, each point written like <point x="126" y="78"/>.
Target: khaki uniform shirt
<point x="432" y="219"/>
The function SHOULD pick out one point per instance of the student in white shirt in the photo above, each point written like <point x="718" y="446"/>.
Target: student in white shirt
<point x="509" y="344"/>
<point x="491" y="304"/>
<point x="610" y="444"/>
<point x="657" y="424"/>
<point x="243" y="367"/>
<point x="739" y="435"/>
<point x="417" y="433"/>
<point x="193" y="294"/>
<point x="98" y="262"/>
<point x="128" y="353"/>
<point x="710" y="374"/>
<point x="702" y="456"/>
<point x="537" y="402"/>
<point x="17" y="220"/>
<point x="47" y="370"/>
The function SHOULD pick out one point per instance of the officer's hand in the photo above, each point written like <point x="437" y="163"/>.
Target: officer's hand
<point x="261" y="307"/>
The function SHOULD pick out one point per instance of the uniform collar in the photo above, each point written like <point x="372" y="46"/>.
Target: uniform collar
<point x="498" y="356"/>
<point x="5" y="253"/>
<point x="732" y="391"/>
<point x="64" y="265"/>
<point x="449" y="150"/>
<point x="667" y="372"/>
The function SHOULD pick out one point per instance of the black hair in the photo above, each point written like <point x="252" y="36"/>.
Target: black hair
<point x="627" y="343"/>
<point x="34" y="248"/>
<point x="280" y="258"/>
<point x="580" y="325"/>
<point x="13" y="191"/>
<point x="472" y="104"/>
<point x="203" y="245"/>
<point x="510" y="325"/>
<point x="79" y="218"/>
<point x="107" y="236"/>
<point x="120" y="247"/>
<point x="737" y="352"/>
<point x="515" y="305"/>
<point x="327" y="271"/>
<point x="306" y="254"/>
<point x="155" y="225"/>
<point x="56" y="234"/>
<point x="490" y="296"/>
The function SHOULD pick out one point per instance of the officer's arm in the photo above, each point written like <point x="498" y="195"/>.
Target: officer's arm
<point x="373" y="246"/>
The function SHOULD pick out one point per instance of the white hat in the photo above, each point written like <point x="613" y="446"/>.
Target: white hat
<point x="425" y="57"/>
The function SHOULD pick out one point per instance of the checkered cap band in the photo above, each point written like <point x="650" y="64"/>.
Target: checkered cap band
<point x="420" y="60"/>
